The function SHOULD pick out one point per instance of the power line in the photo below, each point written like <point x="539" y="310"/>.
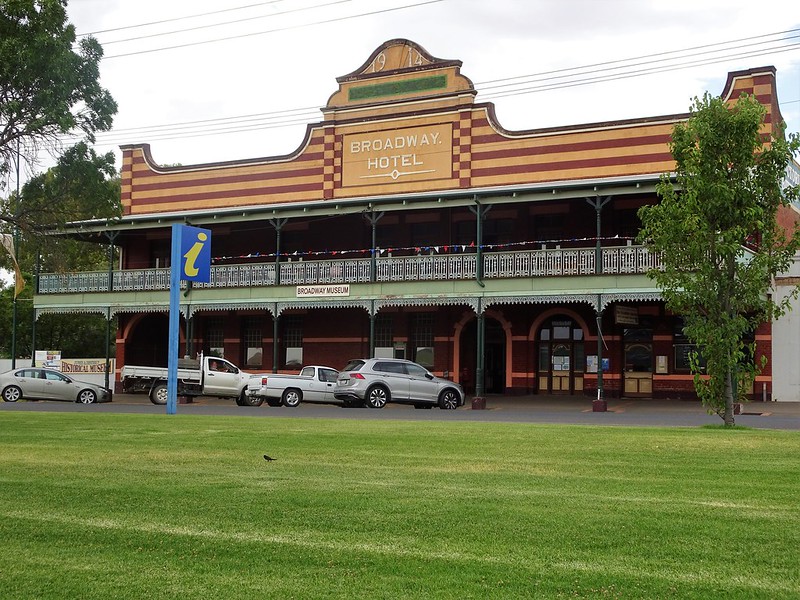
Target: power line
<point x="590" y="75"/>
<point x="591" y="78"/>
<point x="275" y="30"/>
<point x="183" y="18"/>
<point x="645" y="56"/>
<point x="199" y="27"/>
<point x="112" y="138"/>
<point x="310" y="112"/>
<point x="661" y="57"/>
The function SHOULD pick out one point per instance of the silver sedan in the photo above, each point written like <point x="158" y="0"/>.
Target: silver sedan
<point x="35" y="383"/>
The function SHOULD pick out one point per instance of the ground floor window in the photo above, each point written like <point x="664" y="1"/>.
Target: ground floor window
<point x="292" y="341"/>
<point x="384" y="336"/>
<point x="252" y="336"/>
<point x="683" y="349"/>
<point x="638" y="349"/>
<point x="423" y="339"/>
<point x="215" y="336"/>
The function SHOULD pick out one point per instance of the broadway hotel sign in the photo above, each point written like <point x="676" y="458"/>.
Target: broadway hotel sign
<point x="412" y="154"/>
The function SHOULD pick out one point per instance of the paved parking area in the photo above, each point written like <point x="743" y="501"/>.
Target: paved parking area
<point x="521" y="409"/>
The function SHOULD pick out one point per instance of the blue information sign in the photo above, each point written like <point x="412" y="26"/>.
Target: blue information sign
<point x="195" y="246"/>
<point x="191" y="260"/>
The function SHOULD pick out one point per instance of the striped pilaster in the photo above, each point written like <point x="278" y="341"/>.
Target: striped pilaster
<point x="328" y="162"/>
<point x="126" y="181"/>
<point x="462" y="144"/>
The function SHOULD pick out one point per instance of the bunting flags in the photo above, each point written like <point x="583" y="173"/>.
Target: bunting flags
<point x="455" y="248"/>
<point x="7" y="241"/>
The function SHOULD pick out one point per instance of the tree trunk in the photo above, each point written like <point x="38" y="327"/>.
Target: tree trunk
<point x="728" y="418"/>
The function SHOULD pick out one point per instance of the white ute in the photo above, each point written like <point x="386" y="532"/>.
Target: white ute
<point x="313" y="384"/>
<point x="208" y="376"/>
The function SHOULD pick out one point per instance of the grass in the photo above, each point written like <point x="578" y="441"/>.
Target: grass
<point x="143" y="506"/>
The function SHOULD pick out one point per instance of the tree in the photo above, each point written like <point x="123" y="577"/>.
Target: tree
<point x="76" y="335"/>
<point x="49" y="85"/>
<point x="83" y="185"/>
<point x="49" y="88"/>
<point x="721" y="245"/>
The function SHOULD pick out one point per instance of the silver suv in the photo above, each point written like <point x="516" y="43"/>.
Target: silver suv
<point x="376" y="381"/>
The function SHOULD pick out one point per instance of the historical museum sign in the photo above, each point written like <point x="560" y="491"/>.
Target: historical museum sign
<point x="315" y="291"/>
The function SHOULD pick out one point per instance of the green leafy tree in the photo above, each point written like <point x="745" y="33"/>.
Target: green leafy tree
<point x="718" y="235"/>
<point x="49" y="86"/>
<point x="83" y="185"/>
<point x="76" y="335"/>
<point x="24" y="319"/>
<point x="50" y="89"/>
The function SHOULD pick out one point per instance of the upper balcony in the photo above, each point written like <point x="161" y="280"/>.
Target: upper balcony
<point x="551" y="262"/>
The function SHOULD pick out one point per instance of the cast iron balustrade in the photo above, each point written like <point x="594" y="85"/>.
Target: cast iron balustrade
<point x="629" y="259"/>
<point x="429" y="267"/>
<point x="310" y="272"/>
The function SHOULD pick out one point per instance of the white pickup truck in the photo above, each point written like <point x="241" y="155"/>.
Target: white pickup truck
<point x="313" y="384"/>
<point x="208" y="376"/>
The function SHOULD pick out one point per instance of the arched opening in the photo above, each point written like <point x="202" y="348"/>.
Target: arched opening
<point x="494" y="356"/>
<point x="148" y="341"/>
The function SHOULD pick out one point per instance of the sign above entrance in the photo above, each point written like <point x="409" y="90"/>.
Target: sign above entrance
<point x="385" y="157"/>
<point x="626" y="315"/>
<point x="315" y="291"/>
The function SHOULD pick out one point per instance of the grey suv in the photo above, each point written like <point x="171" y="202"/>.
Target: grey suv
<point x="376" y="381"/>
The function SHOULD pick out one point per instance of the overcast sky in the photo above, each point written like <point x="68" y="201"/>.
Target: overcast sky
<point x="285" y="55"/>
<point x="277" y="60"/>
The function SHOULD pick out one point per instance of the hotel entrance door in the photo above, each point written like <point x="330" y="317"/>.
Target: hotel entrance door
<point x="561" y="357"/>
<point x="561" y="368"/>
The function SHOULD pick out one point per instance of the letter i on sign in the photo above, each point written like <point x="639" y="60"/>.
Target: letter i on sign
<point x="196" y="254"/>
<point x="191" y="256"/>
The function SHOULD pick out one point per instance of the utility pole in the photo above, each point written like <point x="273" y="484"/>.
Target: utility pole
<point x="33" y="312"/>
<point x="16" y="274"/>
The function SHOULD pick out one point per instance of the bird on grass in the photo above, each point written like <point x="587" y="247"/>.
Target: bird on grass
<point x="268" y="457"/>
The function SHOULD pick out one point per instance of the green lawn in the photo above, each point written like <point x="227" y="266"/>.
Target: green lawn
<point x="155" y="506"/>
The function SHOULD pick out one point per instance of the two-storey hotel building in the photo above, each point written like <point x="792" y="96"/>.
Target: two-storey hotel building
<point x="410" y="223"/>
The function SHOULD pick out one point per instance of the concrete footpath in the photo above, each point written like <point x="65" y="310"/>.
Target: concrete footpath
<point x="521" y="409"/>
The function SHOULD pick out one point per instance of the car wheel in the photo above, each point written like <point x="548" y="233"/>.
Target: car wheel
<point x="291" y="397"/>
<point x="448" y="400"/>
<point x="246" y="400"/>
<point x="87" y="397"/>
<point x="158" y="395"/>
<point x="377" y="397"/>
<point x="12" y="393"/>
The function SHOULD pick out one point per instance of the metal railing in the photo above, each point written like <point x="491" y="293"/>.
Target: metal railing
<point x="433" y="267"/>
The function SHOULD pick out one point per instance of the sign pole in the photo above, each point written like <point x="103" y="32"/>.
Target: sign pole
<point x="190" y="260"/>
<point x="174" y="320"/>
